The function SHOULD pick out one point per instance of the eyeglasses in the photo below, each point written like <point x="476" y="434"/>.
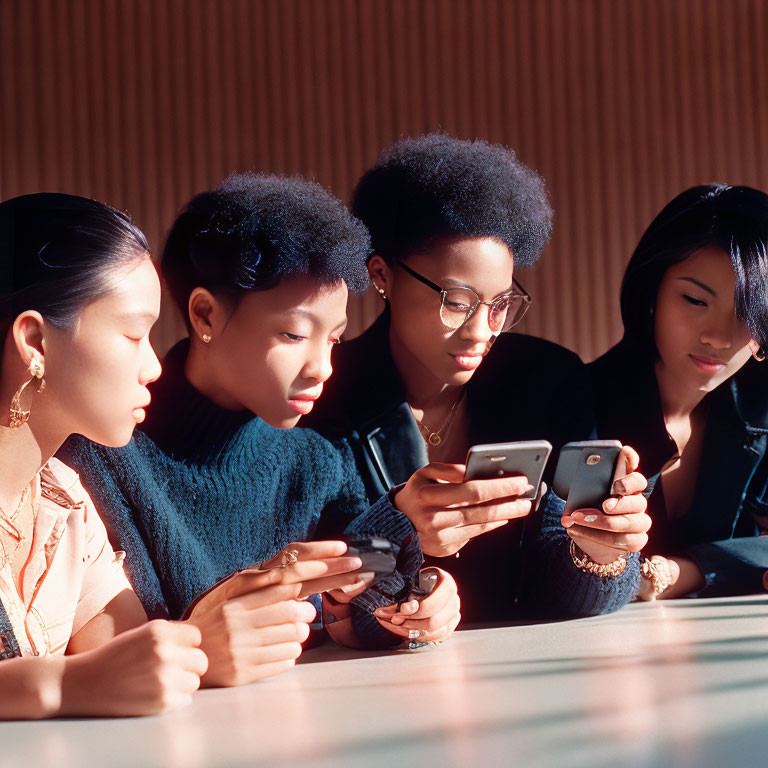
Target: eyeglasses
<point x="457" y="305"/>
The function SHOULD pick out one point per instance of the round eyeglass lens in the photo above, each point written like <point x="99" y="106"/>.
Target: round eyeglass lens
<point x="456" y="306"/>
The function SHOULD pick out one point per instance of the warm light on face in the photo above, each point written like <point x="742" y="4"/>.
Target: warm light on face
<point x="700" y="340"/>
<point x="274" y="353"/>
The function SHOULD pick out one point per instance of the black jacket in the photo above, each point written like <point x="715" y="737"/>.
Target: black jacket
<point x="730" y="504"/>
<point x="526" y="389"/>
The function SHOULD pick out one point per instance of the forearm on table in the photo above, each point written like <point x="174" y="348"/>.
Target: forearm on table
<point x="552" y="585"/>
<point x="32" y="687"/>
<point x="687" y="578"/>
<point x="729" y="567"/>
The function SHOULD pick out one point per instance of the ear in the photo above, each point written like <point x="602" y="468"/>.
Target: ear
<point x="28" y="333"/>
<point x="205" y="314"/>
<point x="380" y="272"/>
<point x="754" y="347"/>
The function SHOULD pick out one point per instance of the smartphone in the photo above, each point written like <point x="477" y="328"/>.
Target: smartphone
<point x="376" y="552"/>
<point x="585" y="473"/>
<point x="527" y="457"/>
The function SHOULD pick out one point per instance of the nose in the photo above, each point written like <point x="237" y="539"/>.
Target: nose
<point x="477" y="328"/>
<point x="720" y="331"/>
<point x="151" y="369"/>
<point x="318" y="367"/>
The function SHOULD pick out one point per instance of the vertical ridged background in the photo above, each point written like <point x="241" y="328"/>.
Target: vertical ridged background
<point x="619" y="104"/>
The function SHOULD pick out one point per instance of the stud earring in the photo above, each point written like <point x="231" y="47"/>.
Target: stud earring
<point x="206" y="338"/>
<point x="381" y="292"/>
<point x="19" y="414"/>
<point x="759" y="355"/>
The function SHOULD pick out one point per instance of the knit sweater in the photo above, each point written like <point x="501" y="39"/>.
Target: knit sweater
<point x="201" y="492"/>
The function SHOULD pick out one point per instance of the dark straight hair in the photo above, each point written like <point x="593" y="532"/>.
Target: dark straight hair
<point x="735" y="219"/>
<point x="58" y="253"/>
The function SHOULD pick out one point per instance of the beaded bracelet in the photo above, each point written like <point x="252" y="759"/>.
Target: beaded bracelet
<point x="656" y="571"/>
<point x="585" y="563"/>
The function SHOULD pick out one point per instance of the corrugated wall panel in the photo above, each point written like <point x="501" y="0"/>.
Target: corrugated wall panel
<point x="619" y="104"/>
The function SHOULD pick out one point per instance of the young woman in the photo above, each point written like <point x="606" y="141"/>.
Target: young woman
<point x="450" y="221"/>
<point x="694" y="397"/>
<point x="215" y="480"/>
<point x="78" y="295"/>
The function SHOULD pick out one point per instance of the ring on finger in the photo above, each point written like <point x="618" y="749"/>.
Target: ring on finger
<point x="290" y="557"/>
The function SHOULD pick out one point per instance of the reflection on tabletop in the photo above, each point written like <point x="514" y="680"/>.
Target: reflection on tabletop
<point x="683" y="683"/>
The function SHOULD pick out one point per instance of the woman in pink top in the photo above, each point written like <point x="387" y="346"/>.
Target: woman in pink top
<point x="78" y="295"/>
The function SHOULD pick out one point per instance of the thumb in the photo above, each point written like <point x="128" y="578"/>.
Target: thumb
<point x="447" y="473"/>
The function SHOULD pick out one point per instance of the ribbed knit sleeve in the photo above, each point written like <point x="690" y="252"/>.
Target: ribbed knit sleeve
<point x="348" y="507"/>
<point x="552" y="586"/>
<point x="102" y="473"/>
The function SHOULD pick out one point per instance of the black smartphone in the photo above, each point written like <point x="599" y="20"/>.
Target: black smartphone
<point x="526" y="457"/>
<point x="377" y="553"/>
<point x="585" y="473"/>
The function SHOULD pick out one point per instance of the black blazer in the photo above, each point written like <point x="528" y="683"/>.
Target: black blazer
<point x="730" y="504"/>
<point x="525" y="389"/>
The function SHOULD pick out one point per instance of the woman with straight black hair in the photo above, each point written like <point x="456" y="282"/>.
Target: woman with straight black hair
<point x="694" y="397"/>
<point x="78" y="296"/>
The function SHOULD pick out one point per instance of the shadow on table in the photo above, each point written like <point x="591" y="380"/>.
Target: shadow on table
<point x="558" y="738"/>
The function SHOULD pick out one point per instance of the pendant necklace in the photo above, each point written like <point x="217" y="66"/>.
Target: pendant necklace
<point x="436" y="437"/>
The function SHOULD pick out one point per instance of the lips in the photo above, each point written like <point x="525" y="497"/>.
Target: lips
<point x="468" y="361"/>
<point x="303" y="402"/>
<point x="140" y="413"/>
<point x="707" y="364"/>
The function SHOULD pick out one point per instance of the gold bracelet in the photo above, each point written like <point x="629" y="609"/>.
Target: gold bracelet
<point x="656" y="570"/>
<point x="585" y="563"/>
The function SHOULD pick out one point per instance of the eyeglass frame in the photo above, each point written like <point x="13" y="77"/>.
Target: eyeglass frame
<point x="523" y="294"/>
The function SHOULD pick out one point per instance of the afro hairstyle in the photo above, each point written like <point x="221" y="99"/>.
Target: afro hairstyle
<point x="425" y="189"/>
<point x="254" y="230"/>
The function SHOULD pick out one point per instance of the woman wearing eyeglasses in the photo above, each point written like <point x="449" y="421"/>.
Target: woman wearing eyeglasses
<point x="450" y="220"/>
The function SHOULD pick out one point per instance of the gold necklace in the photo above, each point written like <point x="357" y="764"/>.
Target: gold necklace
<point x="435" y="437"/>
<point x="7" y="526"/>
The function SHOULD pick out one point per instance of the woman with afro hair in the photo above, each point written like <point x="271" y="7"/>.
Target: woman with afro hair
<point x="216" y="481"/>
<point x="450" y="221"/>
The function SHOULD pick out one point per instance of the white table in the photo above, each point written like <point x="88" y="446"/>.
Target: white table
<point x="682" y="683"/>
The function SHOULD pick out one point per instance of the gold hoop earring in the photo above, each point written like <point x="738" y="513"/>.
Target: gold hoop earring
<point x="206" y="338"/>
<point x="19" y="414"/>
<point x="759" y="355"/>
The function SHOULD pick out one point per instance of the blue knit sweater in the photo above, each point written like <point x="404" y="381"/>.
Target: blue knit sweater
<point x="201" y="492"/>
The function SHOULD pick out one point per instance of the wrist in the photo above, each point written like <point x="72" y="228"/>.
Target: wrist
<point x="658" y="575"/>
<point x="50" y="686"/>
<point x="585" y="563"/>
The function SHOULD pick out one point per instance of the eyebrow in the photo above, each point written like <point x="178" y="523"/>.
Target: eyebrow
<point x="449" y="282"/>
<point x="151" y="316"/>
<point x="703" y="286"/>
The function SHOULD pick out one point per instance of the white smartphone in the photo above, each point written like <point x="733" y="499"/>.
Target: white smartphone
<point x="526" y="457"/>
<point x="585" y="473"/>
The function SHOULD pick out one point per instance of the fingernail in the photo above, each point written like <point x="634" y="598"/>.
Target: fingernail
<point x="528" y="488"/>
<point x="365" y="576"/>
<point x="590" y="518"/>
<point x="610" y="504"/>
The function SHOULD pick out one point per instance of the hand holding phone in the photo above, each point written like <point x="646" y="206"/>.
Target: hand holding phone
<point x="605" y="513"/>
<point x="526" y="458"/>
<point x="585" y="473"/>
